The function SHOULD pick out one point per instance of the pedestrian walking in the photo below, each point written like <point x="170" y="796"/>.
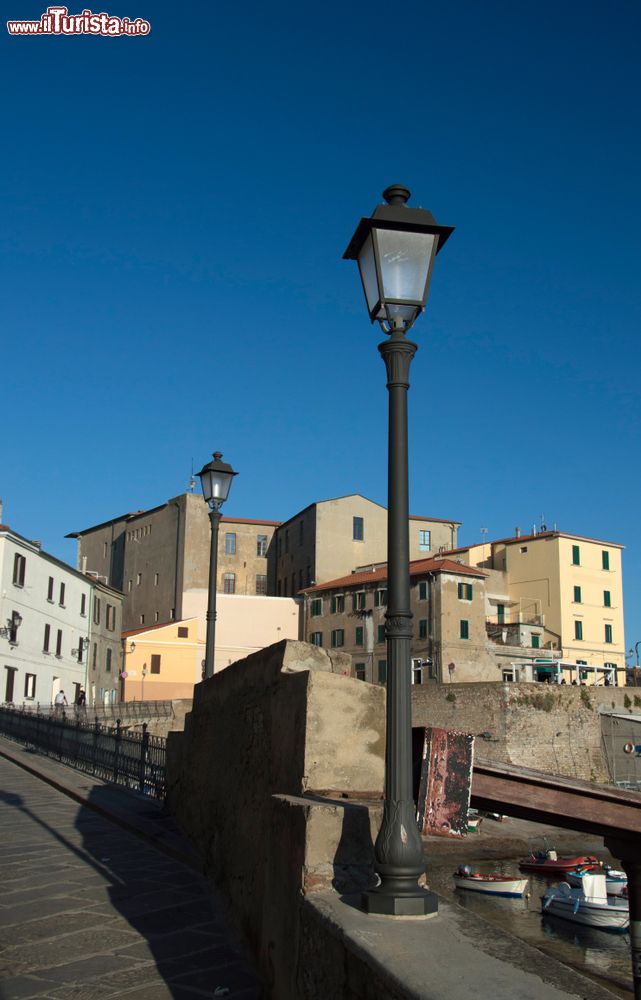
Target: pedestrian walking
<point x="59" y="703"/>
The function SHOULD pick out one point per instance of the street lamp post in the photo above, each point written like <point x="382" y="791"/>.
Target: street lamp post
<point x="395" y="249"/>
<point x="215" y="479"/>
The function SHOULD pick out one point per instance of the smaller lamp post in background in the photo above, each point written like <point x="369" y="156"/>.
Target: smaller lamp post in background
<point x="142" y="683"/>
<point x="215" y="479"/>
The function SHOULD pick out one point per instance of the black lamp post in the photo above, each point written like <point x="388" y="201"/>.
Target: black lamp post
<point x="215" y="479"/>
<point x="395" y="249"/>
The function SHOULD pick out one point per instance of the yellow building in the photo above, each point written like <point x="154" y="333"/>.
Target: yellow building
<point x="567" y="590"/>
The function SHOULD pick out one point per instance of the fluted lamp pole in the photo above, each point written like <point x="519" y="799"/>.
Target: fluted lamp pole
<point x="215" y="480"/>
<point x="395" y="248"/>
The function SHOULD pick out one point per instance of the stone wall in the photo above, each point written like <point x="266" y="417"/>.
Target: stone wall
<point x="550" y="727"/>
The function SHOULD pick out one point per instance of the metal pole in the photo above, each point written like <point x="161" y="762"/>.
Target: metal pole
<point x="214" y="517"/>
<point x="398" y="849"/>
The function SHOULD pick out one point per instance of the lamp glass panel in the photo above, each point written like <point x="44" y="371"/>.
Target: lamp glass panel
<point x="405" y="260"/>
<point x="407" y="313"/>
<point x="216" y="485"/>
<point x="367" y="266"/>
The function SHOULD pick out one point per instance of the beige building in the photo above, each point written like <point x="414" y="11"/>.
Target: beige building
<point x="165" y="661"/>
<point x="559" y="594"/>
<point x="329" y="538"/>
<point x="158" y="556"/>
<point x="447" y="600"/>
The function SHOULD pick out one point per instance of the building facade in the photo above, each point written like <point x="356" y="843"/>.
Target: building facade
<point x="158" y="556"/>
<point x="558" y="595"/>
<point x="447" y="601"/>
<point x="330" y="537"/>
<point x="47" y="611"/>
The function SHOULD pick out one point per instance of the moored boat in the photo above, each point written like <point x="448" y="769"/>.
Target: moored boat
<point x="490" y="883"/>
<point x="548" y="862"/>
<point x="615" y="881"/>
<point x="587" y="905"/>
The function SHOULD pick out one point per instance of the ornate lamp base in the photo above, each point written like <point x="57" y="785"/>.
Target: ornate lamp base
<point x="420" y="903"/>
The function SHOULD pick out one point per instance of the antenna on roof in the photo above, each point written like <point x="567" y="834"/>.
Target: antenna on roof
<point x="484" y="535"/>
<point x="192" y="481"/>
<point x="543" y="524"/>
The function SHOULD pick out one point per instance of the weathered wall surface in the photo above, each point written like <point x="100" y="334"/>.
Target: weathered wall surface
<point x="283" y="722"/>
<point x="550" y="727"/>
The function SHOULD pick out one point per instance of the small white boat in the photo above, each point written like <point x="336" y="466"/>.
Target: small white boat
<point x="615" y="880"/>
<point x="588" y="904"/>
<point x="494" y="885"/>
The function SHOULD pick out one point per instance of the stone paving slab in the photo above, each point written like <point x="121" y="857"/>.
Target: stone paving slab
<point x="90" y="911"/>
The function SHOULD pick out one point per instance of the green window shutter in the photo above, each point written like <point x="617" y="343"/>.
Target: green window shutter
<point x="577" y="595"/>
<point x="422" y="628"/>
<point x="576" y="555"/>
<point x="500" y="613"/>
<point x="578" y="630"/>
<point x="382" y="671"/>
<point x="608" y="633"/>
<point x="359" y="635"/>
<point x="605" y="559"/>
<point x="607" y="600"/>
<point x="380" y="637"/>
<point x="535" y="642"/>
<point x="333" y="605"/>
<point x="459" y="591"/>
<point x="464" y="629"/>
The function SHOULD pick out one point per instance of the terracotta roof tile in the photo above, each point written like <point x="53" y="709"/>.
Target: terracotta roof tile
<point x="417" y="568"/>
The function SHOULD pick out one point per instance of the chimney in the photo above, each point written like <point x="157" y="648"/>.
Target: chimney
<point x="517" y="532"/>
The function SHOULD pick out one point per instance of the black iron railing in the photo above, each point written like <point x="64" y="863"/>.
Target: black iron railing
<point x="134" y="759"/>
<point x="126" y="711"/>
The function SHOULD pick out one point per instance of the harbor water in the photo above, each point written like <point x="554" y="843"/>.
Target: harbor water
<point x="601" y="955"/>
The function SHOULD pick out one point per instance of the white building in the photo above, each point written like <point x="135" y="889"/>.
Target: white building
<point x="48" y="641"/>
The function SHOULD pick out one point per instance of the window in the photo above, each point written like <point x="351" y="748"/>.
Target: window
<point x="380" y="598"/>
<point x="286" y="539"/>
<point x="417" y="670"/>
<point x="19" y="565"/>
<point x="605" y="559"/>
<point x="576" y="555"/>
<point x="464" y="628"/>
<point x="358" y="529"/>
<point x="183" y="632"/>
<point x="279" y="546"/>
<point x="156" y="578"/>
<point x="380" y="633"/>
<point x="50" y="590"/>
<point x="83" y="605"/>
<point x="608" y="633"/>
<point x="422" y="628"/>
<point x="138" y="579"/>
<point x="338" y="637"/>
<point x="94" y="656"/>
<point x="358" y="636"/>
<point x="300" y="579"/>
<point x="301" y="531"/>
<point x="338" y="604"/>
<point x="130" y="584"/>
<point x="61" y="602"/>
<point x="172" y="614"/>
<point x="577" y="595"/>
<point x="47" y="639"/>
<point x="316" y="607"/>
<point x="96" y="611"/>
<point x="156" y="616"/>
<point x="382" y="671"/>
<point x="59" y="643"/>
<point x="141" y="619"/>
<point x="30" y="686"/>
<point x="229" y="583"/>
<point x="293" y="584"/>
<point x="536" y="641"/>
<point x="422" y="590"/>
<point x="155" y="663"/>
<point x="607" y="600"/>
<point x="261" y="583"/>
<point x="523" y="548"/>
<point x="464" y="591"/>
<point x="359" y="671"/>
<point x="308" y="576"/>
<point x="104" y="550"/>
<point x="316" y="638"/>
<point x="424" y="540"/>
<point x="500" y="613"/>
<point x="108" y="662"/>
<point x="578" y="630"/>
<point x="230" y="543"/>
<point x="81" y="649"/>
<point x="110" y="617"/>
<point x="261" y="545"/>
<point x="358" y="601"/>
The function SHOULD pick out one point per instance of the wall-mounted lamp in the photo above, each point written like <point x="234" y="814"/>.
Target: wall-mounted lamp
<point x="10" y="631"/>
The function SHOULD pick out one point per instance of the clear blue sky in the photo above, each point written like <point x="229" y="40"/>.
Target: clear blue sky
<point x="174" y="212"/>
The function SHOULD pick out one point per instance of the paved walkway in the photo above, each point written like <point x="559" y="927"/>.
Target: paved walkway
<point x="90" y="910"/>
